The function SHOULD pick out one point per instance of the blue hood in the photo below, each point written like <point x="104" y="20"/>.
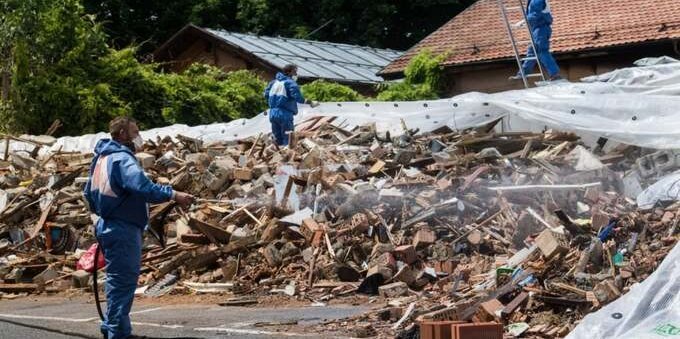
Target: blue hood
<point x="284" y="99"/>
<point x="108" y="146"/>
<point x="282" y="77"/>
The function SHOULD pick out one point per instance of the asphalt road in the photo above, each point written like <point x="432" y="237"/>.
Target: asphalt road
<point x="58" y="318"/>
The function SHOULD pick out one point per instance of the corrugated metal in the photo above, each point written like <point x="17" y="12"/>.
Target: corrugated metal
<point x="315" y="59"/>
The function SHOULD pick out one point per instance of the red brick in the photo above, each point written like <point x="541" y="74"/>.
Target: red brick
<point x="437" y="329"/>
<point x="447" y="314"/>
<point x="446" y="266"/>
<point x="424" y="237"/>
<point x="360" y="223"/>
<point x="477" y="331"/>
<point x="406" y="253"/>
<point x="599" y="220"/>
<point x="489" y="309"/>
<point x="312" y="231"/>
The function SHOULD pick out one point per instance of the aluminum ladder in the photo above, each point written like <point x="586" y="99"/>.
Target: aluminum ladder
<point x="505" y="10"/>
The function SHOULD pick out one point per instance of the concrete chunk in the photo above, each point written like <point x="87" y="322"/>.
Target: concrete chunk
<point x="550" y="244"/>
<point x="392" y="290"/>
<point x="199" y="159"/>
<point x="81" y="279"/>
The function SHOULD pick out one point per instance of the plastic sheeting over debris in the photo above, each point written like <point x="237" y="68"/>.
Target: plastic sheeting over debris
<point x="650" y="310"/>
<point x="665" y="190"/>
<point x="636" y="106"/>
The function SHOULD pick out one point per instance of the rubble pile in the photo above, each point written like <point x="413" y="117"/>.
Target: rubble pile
<point x="444" y="232"/>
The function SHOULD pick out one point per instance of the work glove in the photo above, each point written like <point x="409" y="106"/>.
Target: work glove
<point x="312" y="103"/>
<point x="183" y="199"/>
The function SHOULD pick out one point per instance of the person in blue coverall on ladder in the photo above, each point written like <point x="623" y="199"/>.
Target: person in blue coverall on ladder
<point x="119" y="193"/>
<point x="540" y="20"/>
<point x="282" y="95"/>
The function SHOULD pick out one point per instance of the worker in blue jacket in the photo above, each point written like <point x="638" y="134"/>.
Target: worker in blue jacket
<point x="540" y="20"/>
<point x="282" y="95"/>
<point x="119" y="193"/>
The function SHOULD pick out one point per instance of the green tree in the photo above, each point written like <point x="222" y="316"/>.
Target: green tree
<point x="321" y="90"/>
<point x="149" y="23"/>
<point x="52" y="50"/>
<point x="397" y="24"/>
<point x="63" y="69"/>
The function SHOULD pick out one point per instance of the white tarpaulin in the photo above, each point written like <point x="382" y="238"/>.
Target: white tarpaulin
<point x="665" y="190"/>
<point x="649" y="310"/>
<point x="636" y="106"/>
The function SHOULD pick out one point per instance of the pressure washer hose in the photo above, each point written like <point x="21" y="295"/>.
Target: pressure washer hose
<point x="94" y="277"/>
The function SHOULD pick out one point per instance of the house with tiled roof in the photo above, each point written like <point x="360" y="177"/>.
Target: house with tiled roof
<point x="356" y="66"/>
<point x="589" y="37"/>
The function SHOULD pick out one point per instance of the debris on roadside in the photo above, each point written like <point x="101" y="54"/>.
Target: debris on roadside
<point x="444" y="232"/>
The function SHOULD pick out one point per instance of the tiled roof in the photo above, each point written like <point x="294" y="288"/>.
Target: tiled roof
<point x="315" y="59"/>
<point x="478" y="34"/>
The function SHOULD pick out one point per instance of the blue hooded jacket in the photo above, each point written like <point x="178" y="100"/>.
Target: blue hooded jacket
<point x="537" y="16"/>
<point x="118" y="189"/>
<point x="283" y="94"/>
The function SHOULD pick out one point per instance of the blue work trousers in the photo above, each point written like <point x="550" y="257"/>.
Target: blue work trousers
<point x="542" y="42"/>
<point x="121" y="244"/>
<point x="282" y="122"/>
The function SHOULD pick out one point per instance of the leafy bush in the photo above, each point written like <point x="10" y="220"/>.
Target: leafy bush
<point x="421" y="82"/>
<point x="425" y="68"/>
<point x="63" y="69"/>
<point x="5" y="117"/>
<point x="403" y="91"/>
<point x="321" y="90"/>
<point x="204" y="94"/>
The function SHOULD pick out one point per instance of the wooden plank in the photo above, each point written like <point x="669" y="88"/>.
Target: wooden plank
<point x="239" y="301"/>
<point x="18" y="288"/>
<point x="238" y="245"/>
<point x="527" y="149"/>
<point x="570" y="288"/>
<point x="39" y="226"/>
<point x="318" y="123"/>
<point x="286" y="192"/>
<point x="515" y="303"/>
<point x="307" y="124"/>
<point x="215" y="234"/>
<point x="6" y="157"/>
<point x="252" y="149"/>
<point x="377" y="167"/>
<point x="471" y="178"/>
<point x="349" y="139"/>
